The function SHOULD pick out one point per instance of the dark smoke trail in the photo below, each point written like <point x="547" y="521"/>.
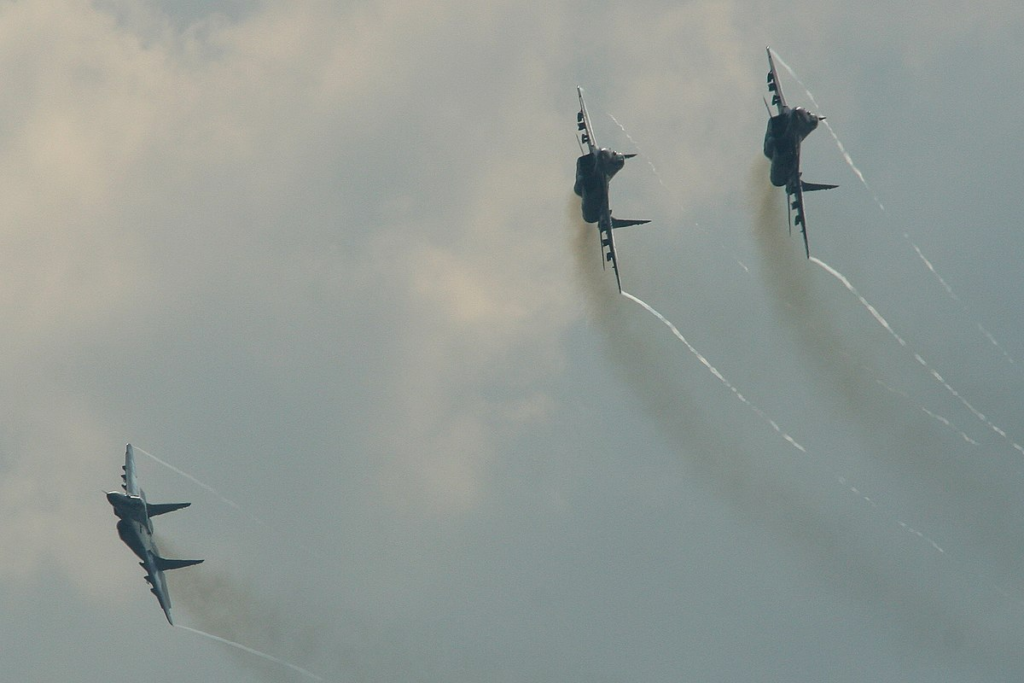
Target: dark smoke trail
<point x="921" y="361"/>
<point x="776" y="494"/>
<point x="841" y="362"/>
<point x="221" y="604"/>
<point x="753" y="485"/>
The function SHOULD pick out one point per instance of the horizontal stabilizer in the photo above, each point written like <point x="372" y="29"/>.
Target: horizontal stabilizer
<point x="154" y="509"/>
<point x="625" y="223"/>
<point x="811" y="187"/>
<point x="163" y="564"/>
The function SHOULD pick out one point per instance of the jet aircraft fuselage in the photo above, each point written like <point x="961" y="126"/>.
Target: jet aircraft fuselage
<point x="594" y="171"/>
<point x="135" y="528"/>
<point x="782" y="141"/>
<point x="593" y="175"/>
<point x="787" y="128"/>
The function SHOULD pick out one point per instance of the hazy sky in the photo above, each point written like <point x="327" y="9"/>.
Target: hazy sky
<point x="325" y="258"/>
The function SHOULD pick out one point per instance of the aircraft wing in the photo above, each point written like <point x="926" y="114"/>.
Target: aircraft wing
<point x="583" y="125"/>
<point x="605" y="226"/>
<point x="129" y="479"/>
<point x="796" y="191"/>
<point x="774" y="86"/>
<point x="796" y="206"/>
<point x="157" y="584"/>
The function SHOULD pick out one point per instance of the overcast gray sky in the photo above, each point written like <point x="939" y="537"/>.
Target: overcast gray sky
<point x="325" y="258"/>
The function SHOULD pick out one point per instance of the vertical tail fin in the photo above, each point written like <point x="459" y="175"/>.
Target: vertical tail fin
<point x="129" y="481"/>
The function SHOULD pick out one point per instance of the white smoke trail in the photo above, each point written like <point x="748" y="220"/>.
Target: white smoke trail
<point x="638" y="151"/>
<point x="946" y="422"/>
<point x="718" y="375"/>
<point x="950" y="425"/>
<point x="264" y="655"/>
<point x="952" y="295"/>
<point x="839" y="144"/>
<point x="772" y="423"/>
<point x="230" y="503"/>
<point x="906" y="236"/>
<point x="864" y="302"/>
<point x="902" y="342"/>
<point x="630" y="349"/>
<point x="227" y="501"/>
<point x="849" y="161"/>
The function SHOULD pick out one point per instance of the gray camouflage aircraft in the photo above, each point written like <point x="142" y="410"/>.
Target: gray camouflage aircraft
<point x="594" y="169"/>
<point x="135" y="527"/>
<point x="786" y="130"/>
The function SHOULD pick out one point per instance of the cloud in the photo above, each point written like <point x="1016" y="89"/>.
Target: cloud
<point x="316" y="255"/>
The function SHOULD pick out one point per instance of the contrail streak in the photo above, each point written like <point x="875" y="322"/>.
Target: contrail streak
<point x="935" y="416"/>
<point x="839" y="144"/>
<point x="774" y="425"/>
<point x="646" y="158"/>
<point x="849" y="161"/>
<point x="630" y="353"/>
<point x="906" y="236"/>
<point x="227" y="501"/>
<point x="903" y="342"/>
<point x="207" y="487"/>
<point x="946" y="422"/>
<point x="264" y="655"/>
<point x="718" y="375"/>
<point x="864" y="302"/>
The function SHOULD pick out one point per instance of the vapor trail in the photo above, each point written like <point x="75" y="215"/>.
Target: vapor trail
<point x="227" y="501"/>
<point x="774" y="425"/>
<point x="864" y="302"/>
<point x="903" y="342"/>
<point x="750" y="483"/>
<point x="207" y="487"/>
<point x="839" y="144"/>
<point x="264" y="655"/>
<point x="906" y="236"/>
<point x="952" y="295"/>
<point x="946" y="422"/>
<point x="646" y="158"/>
<point x="849" y="160"/>
<point x="935" y="416"/>
<point x="718" y="375"/>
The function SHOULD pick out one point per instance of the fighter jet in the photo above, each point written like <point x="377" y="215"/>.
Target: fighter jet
<point x="135" y="527"/>
<point x="786" y="130"/>
<point x="594" y="170"/>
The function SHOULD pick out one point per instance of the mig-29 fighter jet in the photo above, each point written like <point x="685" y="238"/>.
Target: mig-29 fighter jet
<point x="135" y="527"/>
<point x="786" y="130"/>
<point x="594" y="170"/>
